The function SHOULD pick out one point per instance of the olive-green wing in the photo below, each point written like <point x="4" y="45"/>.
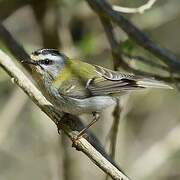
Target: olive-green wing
<point x="112" y="82"/>
<point x="105" y="82"/>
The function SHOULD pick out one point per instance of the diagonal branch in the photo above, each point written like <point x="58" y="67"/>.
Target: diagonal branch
<point x="18" y="51"/>
<point x="68" y="123"/>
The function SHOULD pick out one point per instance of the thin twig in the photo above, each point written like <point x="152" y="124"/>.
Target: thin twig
<point x="111" y="36"/>
<point x="114" y="129"/>
<point x="140" y="9"/>
<point x="146" y="61"/>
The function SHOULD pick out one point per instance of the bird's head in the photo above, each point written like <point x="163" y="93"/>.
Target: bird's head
<point x="47" y="62"/>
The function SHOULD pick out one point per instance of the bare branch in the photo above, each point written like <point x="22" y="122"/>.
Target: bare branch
<point x="114" y="129"/>
<point x="115" y="48"/>
<point x="140" y="9"/>
<point x="71" y="123"/>
<point x="67" y="123"/>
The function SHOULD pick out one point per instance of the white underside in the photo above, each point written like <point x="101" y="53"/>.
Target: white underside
<point x="81" y="106"/>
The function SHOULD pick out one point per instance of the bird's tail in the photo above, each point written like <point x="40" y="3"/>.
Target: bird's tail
<point x="152" y="83"/>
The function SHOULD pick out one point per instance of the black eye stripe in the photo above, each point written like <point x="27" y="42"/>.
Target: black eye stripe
<point x="46" y="61"/>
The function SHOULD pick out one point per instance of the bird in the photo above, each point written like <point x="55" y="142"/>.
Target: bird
<point x="77" y="87"/>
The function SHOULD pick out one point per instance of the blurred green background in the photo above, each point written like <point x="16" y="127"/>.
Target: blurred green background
<point x="148" y="145"/>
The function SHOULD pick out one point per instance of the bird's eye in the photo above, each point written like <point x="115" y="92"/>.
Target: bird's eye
<point x="46" y="61"/>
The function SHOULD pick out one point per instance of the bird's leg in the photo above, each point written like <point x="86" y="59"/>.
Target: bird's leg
<point x="95" y="119"/>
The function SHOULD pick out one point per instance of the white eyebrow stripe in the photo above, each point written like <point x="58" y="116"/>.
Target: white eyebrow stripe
<point x="47" y="56"/>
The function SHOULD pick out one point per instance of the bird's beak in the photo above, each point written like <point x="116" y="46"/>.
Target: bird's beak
<point x="30" y="62"/>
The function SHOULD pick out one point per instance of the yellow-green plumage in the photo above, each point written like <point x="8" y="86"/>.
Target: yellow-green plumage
<point x="72" y="80"/>
<point x="72" y="69"/>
